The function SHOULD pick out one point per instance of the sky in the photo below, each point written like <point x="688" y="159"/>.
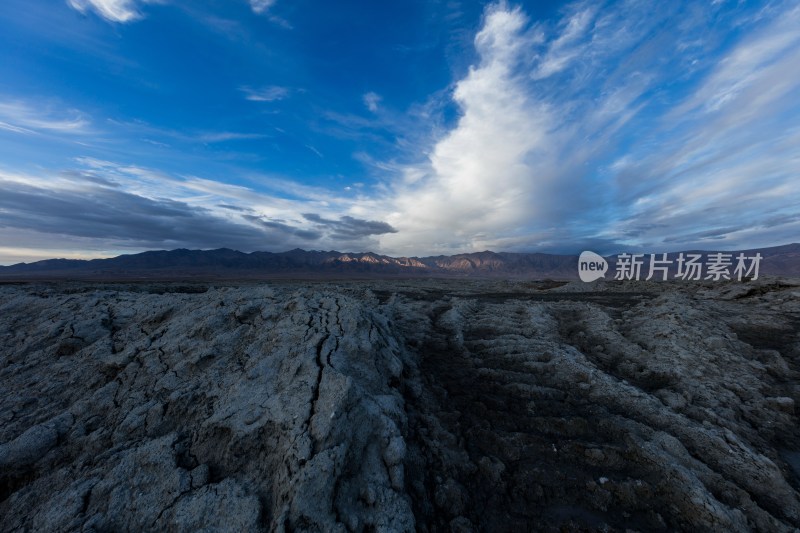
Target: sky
<point x="406" y="128"/>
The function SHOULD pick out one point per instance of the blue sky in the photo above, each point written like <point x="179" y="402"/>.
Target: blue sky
<point x="406" y="128"/>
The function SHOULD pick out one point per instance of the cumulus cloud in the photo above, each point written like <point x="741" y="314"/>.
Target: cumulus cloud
<point x="112" y="10"/>
<point x="477" y="180"/>
<point x="577" y="132"/>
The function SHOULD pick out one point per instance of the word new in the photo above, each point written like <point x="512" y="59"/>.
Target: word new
<point x="686" y="266"/>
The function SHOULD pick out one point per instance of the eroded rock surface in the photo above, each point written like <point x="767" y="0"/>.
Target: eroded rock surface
<point x="400" y="406"/>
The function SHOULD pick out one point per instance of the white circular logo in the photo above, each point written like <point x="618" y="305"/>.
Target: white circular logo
<point x="591" y="266"/>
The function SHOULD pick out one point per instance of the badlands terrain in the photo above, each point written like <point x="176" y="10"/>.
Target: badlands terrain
<point x="435" y="405"/>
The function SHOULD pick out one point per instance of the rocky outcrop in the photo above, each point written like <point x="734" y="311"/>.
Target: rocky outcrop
<point x="399" y="406"/>
<point x="235" y="409"/>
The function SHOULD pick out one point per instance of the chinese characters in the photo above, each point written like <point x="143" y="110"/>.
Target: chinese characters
<point x="687" y="266"/>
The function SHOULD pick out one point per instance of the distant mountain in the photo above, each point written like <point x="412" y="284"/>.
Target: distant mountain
<point x="231" y="264"/>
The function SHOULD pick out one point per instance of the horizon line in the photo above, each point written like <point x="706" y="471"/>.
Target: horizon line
<point x="573" y="254"/>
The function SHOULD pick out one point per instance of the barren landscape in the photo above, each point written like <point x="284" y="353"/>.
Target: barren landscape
<point x="400" y="406"/>
<point x="385" y="267"/>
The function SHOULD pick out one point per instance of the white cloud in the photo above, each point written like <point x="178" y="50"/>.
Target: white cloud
<point x="26" y="118"/>
<point x="478" y="175"/>
<point x="569" y="44"/>
<point x="15" y="129"/>
<point x="269" y="93"/>
<point x="155" y="135"/>
<point x="224" y="136"/>
<point x="537" y="160"/>
<point x="112" y="10"/>
<point x="261" y="6"/>
<point x="102" y="205"/>
<point x="576" y="132"/>
<point x="371" y="100"/>
<point x="313" y="149"/>
<point x="731" y="159"/>
<point x="748" y="64"/>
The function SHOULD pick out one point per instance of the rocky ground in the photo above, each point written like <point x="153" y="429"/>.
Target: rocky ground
<point x="400" y="406"/>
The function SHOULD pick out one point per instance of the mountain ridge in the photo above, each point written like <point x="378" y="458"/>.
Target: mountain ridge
<point x="781" y="260"/>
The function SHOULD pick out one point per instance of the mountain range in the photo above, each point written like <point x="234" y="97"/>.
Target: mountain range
<point x="231" y="264"/>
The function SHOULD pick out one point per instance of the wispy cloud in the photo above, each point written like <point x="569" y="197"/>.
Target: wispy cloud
<point x="224" y="136"/>
<point x="350" y="228"/>
<point x="569" y="44"/>
<point x="261" y="6"/>
<point x="576" y="132"/>
<point x="26" y="118"/>
<point x="15" y="129"/>
<point x="571" y="132"/>
<point x="109" y="206"/>
<point x="112" y="10"/>
<point x="317" y="152"/>
<point x="270" y="93"/>
<point x="141" y="128"/>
